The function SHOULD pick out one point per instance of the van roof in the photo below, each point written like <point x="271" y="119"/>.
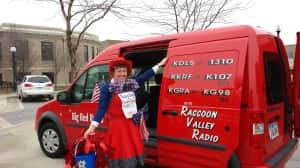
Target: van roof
<point x="187" y="37"/>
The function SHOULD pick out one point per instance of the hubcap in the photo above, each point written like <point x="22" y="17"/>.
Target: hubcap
<point x="50" y="140"/>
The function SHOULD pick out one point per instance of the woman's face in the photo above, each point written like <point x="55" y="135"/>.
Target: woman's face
<point x="120" y="73"/>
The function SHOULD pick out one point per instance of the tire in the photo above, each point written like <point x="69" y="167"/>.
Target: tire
<point x="18" y="94"/>
<point x="50" y="140"/>
<point x="234" y="162"/>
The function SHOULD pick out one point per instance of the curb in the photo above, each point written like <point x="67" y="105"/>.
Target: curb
<point x="8" y="128"/>
<point x="3" y="99"/>
<point x="4" y="105"/>
<point x="4" y="124"/>
<point x="3" y="102"/>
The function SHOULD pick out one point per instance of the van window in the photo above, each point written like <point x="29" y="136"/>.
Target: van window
<point x="274" y="78"/>
<point x="83" y="88"/>
<point x="78" y="88"/>
<point x="95" y="75"/>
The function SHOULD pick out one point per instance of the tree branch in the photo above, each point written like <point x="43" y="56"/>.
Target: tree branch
<point x="214" y="17"/>
<point x="62" y="7"/>
<point x="91" y="22"/>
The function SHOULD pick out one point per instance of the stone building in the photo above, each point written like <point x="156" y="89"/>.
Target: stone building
<point x="290" y="50"/>
<point x="42" y="50"/>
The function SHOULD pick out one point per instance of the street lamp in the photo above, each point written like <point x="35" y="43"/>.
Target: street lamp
<point x="13" y="51"/>
<point x="278" y="29"/>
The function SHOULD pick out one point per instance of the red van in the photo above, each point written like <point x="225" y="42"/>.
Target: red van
<point x="225" y="98"/>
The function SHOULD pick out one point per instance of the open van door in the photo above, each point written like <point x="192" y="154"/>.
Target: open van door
<point x="194" y="127"/>
<point x="296" y="77"/>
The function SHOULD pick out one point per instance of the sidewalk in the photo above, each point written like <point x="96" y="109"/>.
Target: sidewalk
<point x="3" y="98"/>
<point x="6" y="99"/>
<point x="4" y="93"/>
<point x="20" y="148"/>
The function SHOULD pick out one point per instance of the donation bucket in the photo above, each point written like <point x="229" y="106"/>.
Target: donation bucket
<point x="85" y="160"/>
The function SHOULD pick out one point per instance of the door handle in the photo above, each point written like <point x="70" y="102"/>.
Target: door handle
<point x="169" y="112"/>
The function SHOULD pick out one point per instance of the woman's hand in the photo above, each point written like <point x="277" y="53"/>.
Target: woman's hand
<point x="89" y="131"/>
<point x="162" y="62"/>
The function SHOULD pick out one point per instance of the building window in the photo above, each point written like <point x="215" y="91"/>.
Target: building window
<point x="291" y="55"/>
<point x="93" y="52"/>
<point x="47" y="51"/>
<point x="86" y="53"/>
<point x="1" y="78"/>
<point x="97" y="51"/>
<point x="50" y="75"/>
<point x="20" y="75"/>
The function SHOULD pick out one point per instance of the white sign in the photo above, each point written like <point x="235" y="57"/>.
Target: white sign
<point x="129" y="107"/>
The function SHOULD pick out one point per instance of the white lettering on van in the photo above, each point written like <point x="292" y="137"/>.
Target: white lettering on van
<point x="190" y="122"/>
<point x="85" y="117"/>
<point x="216" y="92"/>
<point x="197" y="135"/>
<point x="185" y="111"/>
<point x="75" y="117"/>
<point x="226" y="76"/>
<point x="221" y="61"/>
<point x="180" y="76"/>
<point x="178" y="91"/>
<point x="183" y="63"/>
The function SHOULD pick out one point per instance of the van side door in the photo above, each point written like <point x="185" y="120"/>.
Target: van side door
<point x="81" y="110"/>
<point x="199" y="106"/>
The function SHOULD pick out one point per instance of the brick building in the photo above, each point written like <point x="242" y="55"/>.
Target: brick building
<point x="42" y="50"/>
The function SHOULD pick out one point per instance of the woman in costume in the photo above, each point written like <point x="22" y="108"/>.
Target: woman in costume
<point x="117" y="101"/>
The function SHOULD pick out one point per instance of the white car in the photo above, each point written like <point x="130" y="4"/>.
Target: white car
<point x="34" y="86"/>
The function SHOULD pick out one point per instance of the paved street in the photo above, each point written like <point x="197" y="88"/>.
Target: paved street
<point x="19" y="147"/>
<point x="17" y="112"/>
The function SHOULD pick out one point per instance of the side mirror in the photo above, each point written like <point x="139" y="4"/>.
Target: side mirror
<point x="62" y="97"/>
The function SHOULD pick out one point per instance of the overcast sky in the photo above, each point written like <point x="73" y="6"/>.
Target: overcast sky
<point x="267" y="14"/>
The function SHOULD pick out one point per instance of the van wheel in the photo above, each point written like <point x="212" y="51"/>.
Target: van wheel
<point x="234" y="162"/>
<point x="50" y="140"/>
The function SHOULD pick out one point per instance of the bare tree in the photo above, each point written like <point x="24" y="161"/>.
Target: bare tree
<point x="79" y="16"/>
<point x="188" y="15"/>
